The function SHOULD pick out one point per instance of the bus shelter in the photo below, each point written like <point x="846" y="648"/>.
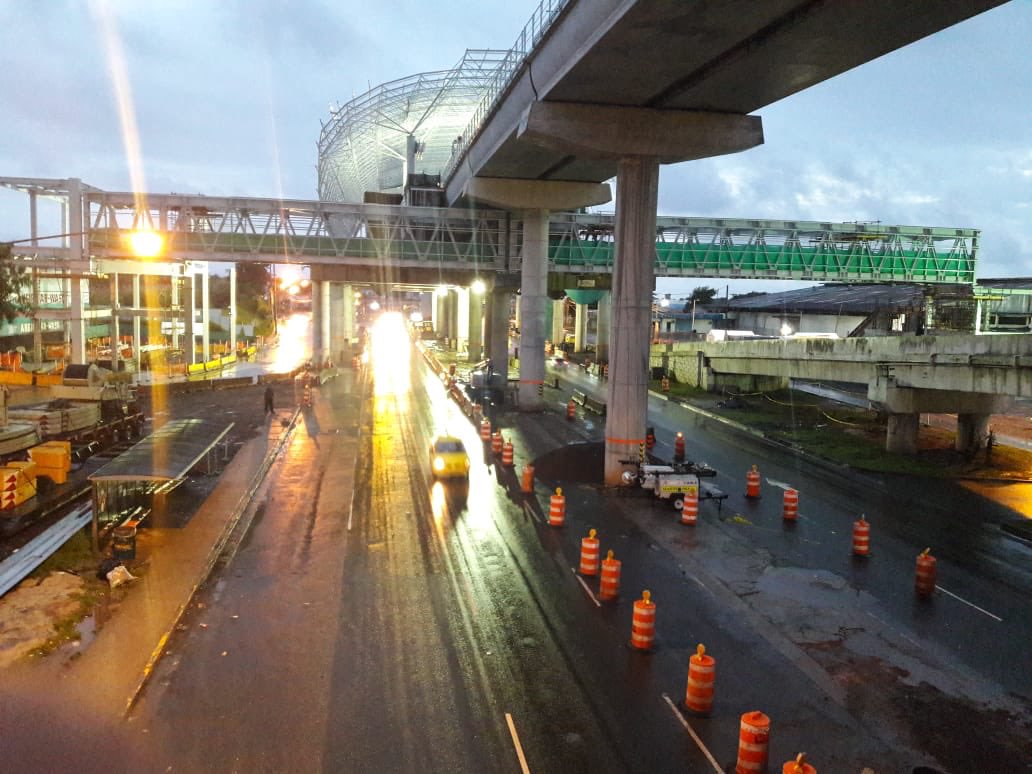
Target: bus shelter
<point x="129" y="487"/>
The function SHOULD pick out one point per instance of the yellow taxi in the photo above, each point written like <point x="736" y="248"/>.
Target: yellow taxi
<point x="448" y="458"/>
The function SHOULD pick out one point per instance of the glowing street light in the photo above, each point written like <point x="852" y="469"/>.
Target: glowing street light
<point x="478" y="286"/>
<point x="145" y="243"/>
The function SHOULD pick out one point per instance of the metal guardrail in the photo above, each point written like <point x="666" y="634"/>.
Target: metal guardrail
<point x="15" y="567"/>
<point x="532" y="32"/>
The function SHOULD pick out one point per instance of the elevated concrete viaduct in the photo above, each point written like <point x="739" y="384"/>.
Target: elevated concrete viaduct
<point x="971" y="376"/>
<point x="618" y="87"/>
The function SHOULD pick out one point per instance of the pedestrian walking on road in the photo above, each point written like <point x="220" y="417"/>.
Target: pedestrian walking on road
<point x="990" y="441"/>
<point x="269" y="394"/>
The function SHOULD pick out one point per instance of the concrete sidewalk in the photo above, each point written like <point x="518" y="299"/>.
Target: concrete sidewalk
<point x="172" y="563"/>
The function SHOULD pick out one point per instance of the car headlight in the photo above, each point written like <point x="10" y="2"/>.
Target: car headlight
<point x="438" y="463"/>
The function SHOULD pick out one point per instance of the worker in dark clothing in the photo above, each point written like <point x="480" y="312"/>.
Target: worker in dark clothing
<point x="990" y="442"/>
<point x="268" y="400"/>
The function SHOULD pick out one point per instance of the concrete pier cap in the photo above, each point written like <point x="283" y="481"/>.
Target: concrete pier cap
<point x="668" y="136"/>
<point x="554" y="195"/>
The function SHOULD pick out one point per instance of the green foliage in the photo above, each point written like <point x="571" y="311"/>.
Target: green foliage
<point x="14" y="285"/>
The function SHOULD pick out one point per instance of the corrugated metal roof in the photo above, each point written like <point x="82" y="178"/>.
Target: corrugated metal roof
<point x="167" y="454"/>
<point x="834" y="299"/>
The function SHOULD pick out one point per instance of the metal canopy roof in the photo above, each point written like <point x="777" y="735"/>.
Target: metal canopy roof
<point x="364" y="146"/>
<point x="167" y="454"/>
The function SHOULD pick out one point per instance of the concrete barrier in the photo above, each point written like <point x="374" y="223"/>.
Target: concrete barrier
<point x="595" y="405"/>
<point x="579" y="398"/>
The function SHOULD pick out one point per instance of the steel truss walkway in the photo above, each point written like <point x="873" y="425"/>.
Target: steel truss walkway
<point x="202" y="228"/>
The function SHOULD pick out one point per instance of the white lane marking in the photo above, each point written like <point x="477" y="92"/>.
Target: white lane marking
<point x="690" y="730"/>
<point x="528" y="510"/>
<point x="351" y="508"/>
<point x="516" y="743"/>
<point x="779" y="484"/>
<point x="970" y="604"/>
<point x="587" y="591"/>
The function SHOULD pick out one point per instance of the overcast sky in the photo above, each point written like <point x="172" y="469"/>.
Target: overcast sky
<point x="228" y="97"/>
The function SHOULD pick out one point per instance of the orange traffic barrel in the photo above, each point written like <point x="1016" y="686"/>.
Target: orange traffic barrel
<point x="557" y="509"/>
<point x="798" y="766"/>
<point x="679" y="447"/>
<point x="477" y="411"/>
<point x="527" y="483"/>
<point x="605" y="371"/>
<point x="690" y="509"/>
<point x="861" y="537"/>
<point x="702" y="669"/>
<point x="650" y="438"/>
<point x="589" y="554"/>
<point x="924" y="578"/>
<point x="609" y="586"/>
<point x="496" y="442"/>
<point x="665" y="384"/>
<point x="791" y="511"/>
<point x="753" y="736"/>
<point x="571" y="409"/>
<point x="451" y="369"/>
<point x="752" y="483"/>
<point x="485" y="429"/>
<point x="643" y="622"/>
<point x="507" y="454"/>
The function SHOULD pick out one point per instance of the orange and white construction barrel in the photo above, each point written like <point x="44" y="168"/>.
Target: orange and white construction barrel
<point x="589" y="554"/>
<point x="690" y="509"/>
<point x="702" y="670"/>
<point x="496" y="442"/>
<point x="791" y="504"/>
<point x="753" y="738"/>
<point x="507" y="454"/>
<point x="557" y="509"/>
<point x="571" y="409"/>
<point x="527" y="483"/>
<point x="861" y="537"/>
<point x="752" y="483"/>
<point x="643" y="622"/>
<point x="679" y="447"/>
<point x="485" y="429"/>
<point x="798" y="766"/>
<point x="924" y="577"/>
<point x="609" y="585"/>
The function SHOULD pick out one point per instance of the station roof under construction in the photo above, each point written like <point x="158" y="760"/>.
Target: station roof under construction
<point x="167" y="454"/>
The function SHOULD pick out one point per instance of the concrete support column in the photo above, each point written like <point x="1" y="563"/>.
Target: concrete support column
<point x="633" y="282"/>
<point x="452" y="306"/>
<point x="972" y="430"/>
<point x="498" y="329"/>
<point x="72" y="215"/>
<point x="116" y="344"/>
<point x="901" y="433"/>
<point x="462" y="319"/>
<point x="533" y="296"/>
<point x="349" y="321"/>
<point x="436" y="305"/>
<point x="205" y="313"/>
<point x="232" y="308"/>
<point x="605" y="304"/>
<point x="337" y="342"/>
<point x="37" y="323"/>
<point x="320" y="354"/>
<point x="137" y="339"/>
<point x="558" y="313"/>
<point x="178" y="314"/>
<point x="319" y="313"/>
<point x="475" y="314"/>
<point x="580" y="327"/>
<point x="190" y="313"/>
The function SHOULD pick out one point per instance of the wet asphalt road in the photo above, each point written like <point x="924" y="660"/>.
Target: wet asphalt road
<point x="372" y="620"/>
